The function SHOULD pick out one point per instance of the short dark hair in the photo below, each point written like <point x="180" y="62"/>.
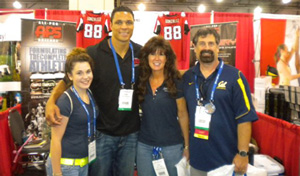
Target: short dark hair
<point x="121" y="9"/>
<point x="77" y="55"/>
<point x="203" y="32"/>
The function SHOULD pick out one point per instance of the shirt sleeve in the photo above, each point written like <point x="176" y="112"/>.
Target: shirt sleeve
<point x="243" y="106"/>
<point x="64" y="105"/>
<point x="179" y="87"/>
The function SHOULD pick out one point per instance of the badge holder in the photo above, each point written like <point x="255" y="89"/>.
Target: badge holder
<point x="92" y="151"/>
<point x="92" y="145"/>
<point x="125" y="99"/>
<point x="158" y="162"/>
<point x="125" y="95"/>
<point x="202" y="121"/>
<point x="203" y="113"/>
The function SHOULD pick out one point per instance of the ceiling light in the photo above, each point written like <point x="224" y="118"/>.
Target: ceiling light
<point x="286" y="1"/>
<point x="219" y="0"/>
<point x="141" y="7"/>
<point x="201" y="8"/>
<point x="257" y="10"/>
<point x="17" y="5"/>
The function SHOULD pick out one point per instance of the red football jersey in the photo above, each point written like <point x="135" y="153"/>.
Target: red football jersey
<point x="173" y="28"/>
<point x="92" y="28"/>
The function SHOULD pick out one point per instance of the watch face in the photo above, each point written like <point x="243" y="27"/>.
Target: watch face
<point x="243" y="153"/>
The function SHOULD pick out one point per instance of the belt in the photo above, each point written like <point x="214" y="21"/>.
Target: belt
<point x="74" y="162"/>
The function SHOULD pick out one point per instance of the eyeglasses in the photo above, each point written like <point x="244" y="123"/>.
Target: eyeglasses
<point x="203" y="44"/>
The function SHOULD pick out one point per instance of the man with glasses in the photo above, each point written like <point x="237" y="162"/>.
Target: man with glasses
<point x="220" y="109"/>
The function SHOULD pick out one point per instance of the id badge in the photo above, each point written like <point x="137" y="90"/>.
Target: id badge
<point x="202" y="122"/>
<point x="125" y="99"/>
<point x="160" y="167"/>
<point x="92" y="151"/>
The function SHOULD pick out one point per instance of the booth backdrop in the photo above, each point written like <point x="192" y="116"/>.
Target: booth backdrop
<point x="7" y="143"/>
<point x="244" y="45"/>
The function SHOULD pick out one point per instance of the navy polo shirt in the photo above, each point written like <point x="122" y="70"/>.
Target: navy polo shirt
<point x="75" y="143"/>
<point x="233" y="103"/>
<point x="160" y="126"/>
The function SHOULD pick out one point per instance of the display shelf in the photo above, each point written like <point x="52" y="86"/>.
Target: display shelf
<point x="10" y="86"/>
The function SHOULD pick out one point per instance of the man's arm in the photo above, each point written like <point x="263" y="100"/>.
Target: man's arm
<point x="53" y="116"/>
<point x="244" y="137"/>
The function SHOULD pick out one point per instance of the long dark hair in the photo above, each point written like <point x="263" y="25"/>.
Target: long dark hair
<point x="170" y="71"/>
<point x="278" y="52"/>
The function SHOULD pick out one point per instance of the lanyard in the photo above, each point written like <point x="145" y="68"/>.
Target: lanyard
<point x="156" y="153"/>
<point x="214" y="86"/>
<point x="118" y="66"/>
<point x="87" y="112"/>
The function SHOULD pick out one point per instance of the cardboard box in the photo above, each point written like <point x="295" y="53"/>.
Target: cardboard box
<point x="269" y="164"/>
<point x="263" y="82"/>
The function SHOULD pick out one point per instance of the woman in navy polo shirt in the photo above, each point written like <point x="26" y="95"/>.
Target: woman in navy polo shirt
<point x="163" y="136"/>
<point x="73" y="142"/>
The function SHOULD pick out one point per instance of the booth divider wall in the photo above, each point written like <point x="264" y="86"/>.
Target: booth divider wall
<point x="276" y="137"/>
<point x="7" y="144"/>
<point x="244" y="45"/>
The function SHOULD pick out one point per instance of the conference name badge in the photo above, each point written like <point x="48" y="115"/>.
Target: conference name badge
<point x="125" y="99"/>
<point x="160" y="167"/>
<point x="202" y="121"/>
<point x="92" y="151"/>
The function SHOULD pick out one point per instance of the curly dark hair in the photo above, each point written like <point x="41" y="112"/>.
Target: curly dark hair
<point x="170" y="70"/>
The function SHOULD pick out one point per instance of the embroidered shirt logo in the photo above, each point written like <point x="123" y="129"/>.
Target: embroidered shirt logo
<point x="165" y="89"/>
<point x="222" y="85"/>
<point x="136" y="62"/>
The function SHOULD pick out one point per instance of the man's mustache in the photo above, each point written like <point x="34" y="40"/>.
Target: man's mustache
<point x="206" y="53"/>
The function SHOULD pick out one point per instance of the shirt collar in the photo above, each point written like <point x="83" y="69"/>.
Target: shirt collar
<point x="196" y="69"/>
<point x="106" y="47"/>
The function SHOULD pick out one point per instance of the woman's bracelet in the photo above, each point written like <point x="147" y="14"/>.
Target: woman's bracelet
<point x="57" y="174"/>
<point x="186" y="147"/>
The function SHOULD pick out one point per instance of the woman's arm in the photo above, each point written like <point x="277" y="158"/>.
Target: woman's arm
<point x="57" y="133"/>
<point x="183" y="118"/>
<point x="285" y="73"/>
<point x="296" y="48"/>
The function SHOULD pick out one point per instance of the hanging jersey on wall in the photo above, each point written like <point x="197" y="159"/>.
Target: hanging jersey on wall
<point x="173" y="28"/>
<point x="92" y="28"/>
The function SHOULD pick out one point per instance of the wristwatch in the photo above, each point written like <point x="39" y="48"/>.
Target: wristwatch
<point x="243" y="153"/>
